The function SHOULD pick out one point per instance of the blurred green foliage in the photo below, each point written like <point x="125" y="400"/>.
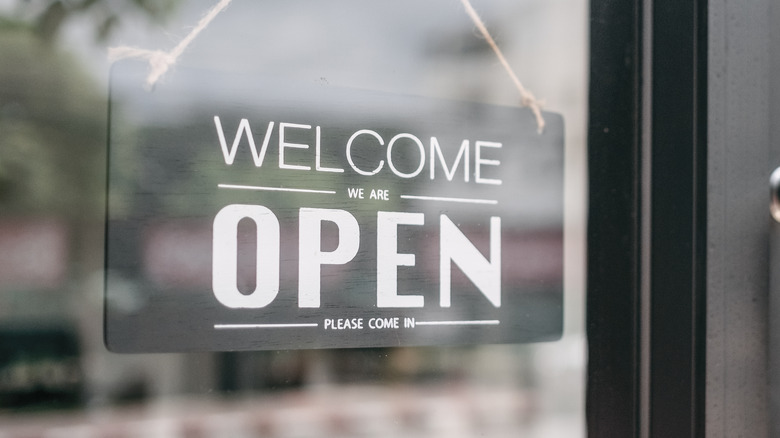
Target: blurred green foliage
<point x="48" y="16"/>
<point x="52" y="128"/>
<point x="53" y="114"/>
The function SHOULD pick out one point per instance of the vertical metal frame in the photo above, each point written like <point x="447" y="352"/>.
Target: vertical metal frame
<point x="647" y="218"/>
<point x="679" y="218"/>
<point x="614" y="212"/>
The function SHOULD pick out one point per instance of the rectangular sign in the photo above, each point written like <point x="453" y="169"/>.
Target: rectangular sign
<point x="248" y="214"/>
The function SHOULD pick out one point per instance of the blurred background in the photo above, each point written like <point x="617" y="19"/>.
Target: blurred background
<point x="56" y="376"/>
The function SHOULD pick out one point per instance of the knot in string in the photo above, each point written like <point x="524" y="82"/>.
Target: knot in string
<point x="160" y="61"/>
<point x="527" y="99"/>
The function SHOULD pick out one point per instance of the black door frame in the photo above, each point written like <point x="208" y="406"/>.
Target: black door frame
<point x="647" y="160"/>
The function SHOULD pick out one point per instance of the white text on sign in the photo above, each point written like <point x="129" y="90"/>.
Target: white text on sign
<point x="454" y="247"/>
<point x="373" y="323"/>
<point x="363" y="138"/>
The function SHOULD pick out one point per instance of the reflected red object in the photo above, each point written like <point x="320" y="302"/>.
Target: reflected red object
<point x="178" y="252"/>
<point x="528" y="258"/>
<point x="33" y="253"/>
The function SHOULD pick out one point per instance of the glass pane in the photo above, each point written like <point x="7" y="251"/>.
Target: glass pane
<point x="56" y="376"/>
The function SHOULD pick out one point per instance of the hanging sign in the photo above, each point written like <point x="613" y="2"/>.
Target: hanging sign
<point x="245" y="214"/>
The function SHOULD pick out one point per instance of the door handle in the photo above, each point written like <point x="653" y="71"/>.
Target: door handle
<point x="774" y="187"/>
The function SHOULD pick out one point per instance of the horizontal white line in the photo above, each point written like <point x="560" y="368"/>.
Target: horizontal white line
<point x="484" y="322"/>
<point x="462" y="200"/>
<point x="275" y="189"/>
<point x="253" y="326"/>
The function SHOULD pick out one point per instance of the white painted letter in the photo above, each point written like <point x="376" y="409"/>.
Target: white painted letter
<point x="283" y="144"/>
<point x="243" y="127"/>
<point x="479" y="162"/>
<point x="390" y="158"/>
<point x="463" y="152"/>
<point x="455" y="247"/>
<point x="310" y="254"/>
<point x="318" y="154"/>
<point x="388" y="259"/>
<point x="349" y="152"/>
<point x="225" y="256"/>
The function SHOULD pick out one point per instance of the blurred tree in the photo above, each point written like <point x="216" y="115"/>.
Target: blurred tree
<point x="52" y="116"/>
<point x="52" y="122"/>
<point x="48" y="16"/>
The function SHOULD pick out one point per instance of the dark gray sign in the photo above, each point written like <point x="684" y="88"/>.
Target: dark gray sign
<point x="245" y="214"/>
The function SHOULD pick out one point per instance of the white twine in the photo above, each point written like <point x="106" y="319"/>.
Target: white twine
<point x="527" y="98"/>
<point x="160" y="61"/>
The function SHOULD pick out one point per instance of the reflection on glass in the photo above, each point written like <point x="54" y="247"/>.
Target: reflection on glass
<point x="56" y="376"/>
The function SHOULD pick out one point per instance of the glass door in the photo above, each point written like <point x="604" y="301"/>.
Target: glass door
<point x="57" y="376"/>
